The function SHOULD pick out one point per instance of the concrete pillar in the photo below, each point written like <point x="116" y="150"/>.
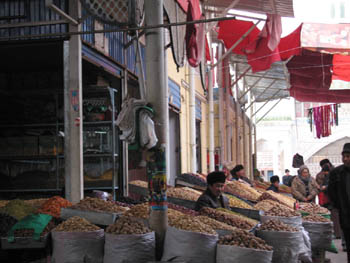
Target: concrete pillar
<point x="193" y="152"/>
<point x="73" y="121"/>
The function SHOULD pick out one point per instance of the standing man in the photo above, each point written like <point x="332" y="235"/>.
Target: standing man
<point x="339" y="193"/>
<point x="213" y="197"/>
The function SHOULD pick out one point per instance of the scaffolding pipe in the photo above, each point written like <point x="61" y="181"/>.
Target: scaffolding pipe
<point x="250" y="87"/>
<point x="240" y="76"/>
<point x="273" y="96"/>
<point x="260" y="95"/>
<point x="269" y="110"/>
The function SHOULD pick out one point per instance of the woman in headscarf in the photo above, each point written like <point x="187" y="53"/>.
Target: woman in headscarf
<point x="304" y="187"/>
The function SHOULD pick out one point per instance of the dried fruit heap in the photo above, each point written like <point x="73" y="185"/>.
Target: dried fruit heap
<point x="17" y="209"/>
<point x="242" y="190"/>
<point x="53" y="206"/>
<point x="76" y="224"/>
<point x="280" y="198"/>
<point x="279" y="211"/>
<point x="276" y="225"/>
<point x="316" y="218"/>
<point x="267" y="204"/>
<point x="313" y="208"/>
<point x="214" y="224"/>
<point x="236" y="202"/>
<point x="127" y="226"/>
<point x="192" y="224"/>
<point x="227" y="218"/>
<point x="139" y="183"/>
<point x="183" y="209"/>
<point x="242" y="238"/>
<point x="138" y="211"/>
<point x="98" y="205"/>
<point x="183" y="193"/>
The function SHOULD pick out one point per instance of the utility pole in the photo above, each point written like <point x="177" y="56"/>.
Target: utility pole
<point x="157" y="96"/>
<point x="73" y="121"/>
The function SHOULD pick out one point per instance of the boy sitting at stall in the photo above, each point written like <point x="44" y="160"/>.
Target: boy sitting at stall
<point x="275" y="183"/>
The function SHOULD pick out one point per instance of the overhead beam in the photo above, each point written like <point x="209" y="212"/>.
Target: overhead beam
<point x="260" y="95"/>
<point x="38" y="23"/>
<point x="50" y="4"/>
<point x="273" y="97"/>
<point x="269" y="110"/>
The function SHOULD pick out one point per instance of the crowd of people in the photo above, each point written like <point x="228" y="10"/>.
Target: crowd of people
<point x="331" y="185"/>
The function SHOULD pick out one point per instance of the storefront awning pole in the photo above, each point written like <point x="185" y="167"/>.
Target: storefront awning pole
<point x="269" y="110"/>
<point x="228" y="52"/>
<point x="273" y="96"/>
<point x="240" y="76"/>
<point x="260" y="95"/>
<point x="157" y="96"/>
<point x="73" y="117"/>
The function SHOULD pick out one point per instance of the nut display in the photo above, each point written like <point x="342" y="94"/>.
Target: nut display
<point x="244" y="218"/>
<point x="139" y="183"/>
<point x="242" y="190"/>
<point x="6" y="223"/>
<point x="245" y="239"/>
<point x="192" y="179"/>
<point x="17" y="209"/>
<point x="279" y="211"/>
<point x="285" y="200"/>
<point x="214" y="224"/>
<point x="98" y="205"/>
<point x="29" y="232"/>
<point x="127" y="226"/>
<point x="276" y="225"/>
<point x="236" y="202"/>
<point x="130" y="201"/>
<point x="3" y="202"/>
<point x="139" y="211"/>
<point x="192" y="224"/>
<point x="36" y="203"/>
<point x="183" y="209"/>
<point x="313" y="208"/>
<point x="267" y="204"/>
<point x="183" y="193"/>
<point x="316" y="218"/>
<point x="227" y="218"/>
<point x="76" y="224"/>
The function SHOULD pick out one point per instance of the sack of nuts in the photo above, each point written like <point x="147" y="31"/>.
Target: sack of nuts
<point x="242" y="246"/>
<point x="129" y="240"/>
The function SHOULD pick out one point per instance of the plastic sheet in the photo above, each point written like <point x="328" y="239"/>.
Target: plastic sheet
<point x="129" y="248"/>
<point x="233" y="254"/>
<point x="320" y="234"/>
<point x="181" y="245"/>
<point x="78" y="247"/>
<point x="148" y="138"/>
<point x="286" y="245"/>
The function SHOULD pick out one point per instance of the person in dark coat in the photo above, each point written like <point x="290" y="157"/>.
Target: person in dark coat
<point x="238" y="173"/>
<point x="275" y="183"/>
<point x="339" y="193"/>
<point x="213" y="197"/>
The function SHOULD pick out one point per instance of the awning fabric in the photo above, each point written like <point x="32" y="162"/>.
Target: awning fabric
<point x="341" y="67"/>
<point x="231" y="31"/>
<point x="311" y="77"/>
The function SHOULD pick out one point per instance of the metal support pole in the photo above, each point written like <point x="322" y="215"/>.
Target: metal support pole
<point x="235" y="44"/>
<point x="157" y="96"/>
<point x="269" y="110"/>
<point x="260" y="95"/>
<point x="251" y="161"/>
<point x="221" y="106"/>
<point x="244" y="120"/>
<point x="211" y="121"/>
<point x="193" y="157"/>
<point x="227" y="112"/>
<point x="238" y="108"/>
<point x="50" y="4"/>
<point x="273" y="96"/>
<point x="73" y="119"/>
<point x="125" y="144"/>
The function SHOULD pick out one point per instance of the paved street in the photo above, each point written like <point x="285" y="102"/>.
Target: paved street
<point x="340" y="257"/>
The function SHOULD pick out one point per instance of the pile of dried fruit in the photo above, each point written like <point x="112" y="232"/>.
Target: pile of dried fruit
<point x="53" y="206"/>
<point x="76" y="224"/>
<point x="227" y="218"/>
<point x="244" y="218"/>
<point x="36" y="203"/>
<point x="280" y="198"/>
<point x="192" y="179"/>
<point x="242" y="238"/>
<point x="139" y="183"/>
<point x="236" y="202"/>
<point x="316" y="218"/>
<point x="3" y="202"/>
<point x="6" y="223"/>
<point x="17" y="209"/>
<point x="313" y="208"/>
<point x="183" y="193"/>
<point x="127" y="226"/>
<point x="214" y="224"/>
<point x="267" y="204"/>
<point x="192" y="224"/>
<point x="183" y="209"/>
<point x="29" y="232"/>
<point x="98" y="205"/>
<point x="276" y="225"/>
<point x="279" y="211"/>
<point x="242" y="190"/>
<point x="139" y="211"/>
